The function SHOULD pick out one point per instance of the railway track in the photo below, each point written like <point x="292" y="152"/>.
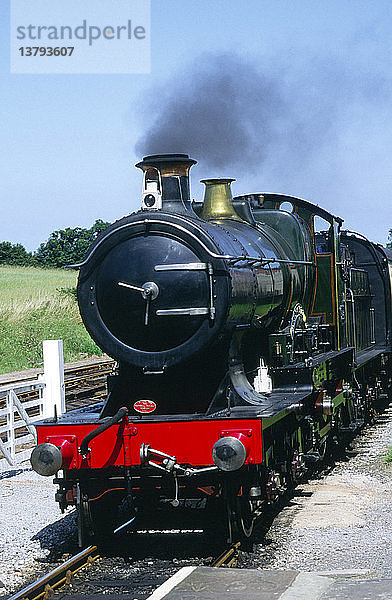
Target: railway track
<point x="85" y="383"/>
<point x="228" y="558"/>
<point x="64" y="574"/>
<point x="61" y="575"/>
<point x="82" y="382"/>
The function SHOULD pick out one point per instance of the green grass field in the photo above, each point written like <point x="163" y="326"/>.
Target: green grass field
<point x="35" y="305"/>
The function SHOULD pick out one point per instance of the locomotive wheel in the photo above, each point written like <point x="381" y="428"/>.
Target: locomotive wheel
<point x="325" y="449"/>
<point x="240" y="518"/>
<point x="96" y="520"/>
<point x="85" y="529"/>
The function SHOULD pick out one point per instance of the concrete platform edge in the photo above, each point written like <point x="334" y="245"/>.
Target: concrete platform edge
<point x="171" y="583"/>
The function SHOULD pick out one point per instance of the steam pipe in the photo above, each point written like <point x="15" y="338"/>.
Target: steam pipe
<point x="120" y="414"/>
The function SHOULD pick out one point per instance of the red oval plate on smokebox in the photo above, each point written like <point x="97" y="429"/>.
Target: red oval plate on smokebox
<point x="144" y="406"/>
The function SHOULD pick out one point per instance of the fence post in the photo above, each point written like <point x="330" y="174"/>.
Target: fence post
<point x="54" y="393"/>
<point x="10" y="424"/>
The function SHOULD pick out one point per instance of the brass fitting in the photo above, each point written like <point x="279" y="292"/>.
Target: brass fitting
<point x="218" y="201"/>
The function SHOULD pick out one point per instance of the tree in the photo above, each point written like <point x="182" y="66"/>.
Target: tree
<point x="389" y="244"/>
<point x="68" y="246"/>
<point x="14" y="254"/>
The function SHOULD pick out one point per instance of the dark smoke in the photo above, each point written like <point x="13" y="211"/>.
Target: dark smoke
<point x="221" y="111"/>
<point x="229" y="113"/>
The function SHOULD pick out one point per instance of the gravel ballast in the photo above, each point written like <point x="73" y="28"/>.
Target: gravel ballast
<point x="33" y="532"/>
<point x="341" y="521"/>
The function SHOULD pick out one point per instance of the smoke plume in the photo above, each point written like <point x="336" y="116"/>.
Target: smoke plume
<point x="313" y="126"/>
<point x="221" y="111"/>
<point x="228" y="113"/>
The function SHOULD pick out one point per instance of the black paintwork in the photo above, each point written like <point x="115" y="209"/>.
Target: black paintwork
<point x="188" y="352"/>
<point x="186" y="363"/>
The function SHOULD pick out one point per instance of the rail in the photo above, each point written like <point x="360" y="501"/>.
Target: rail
<point x="44" y="586"/>
<point x="62" y="575"/>
<point x="229" y="557"/>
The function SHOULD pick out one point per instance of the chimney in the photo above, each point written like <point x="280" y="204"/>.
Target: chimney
<point x="166" y="182"/>
<point x="218" y="201"/>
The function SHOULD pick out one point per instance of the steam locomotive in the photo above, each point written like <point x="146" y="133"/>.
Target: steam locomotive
<point x="248" y="342"/>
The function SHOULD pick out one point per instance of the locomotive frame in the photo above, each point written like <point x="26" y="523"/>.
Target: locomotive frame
<point x="275" y="337"/>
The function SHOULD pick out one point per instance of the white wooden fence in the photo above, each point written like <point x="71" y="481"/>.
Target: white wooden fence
<point x="17" y="415"/>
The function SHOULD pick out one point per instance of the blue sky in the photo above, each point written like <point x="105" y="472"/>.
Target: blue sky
<point x="68" y="141"/>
